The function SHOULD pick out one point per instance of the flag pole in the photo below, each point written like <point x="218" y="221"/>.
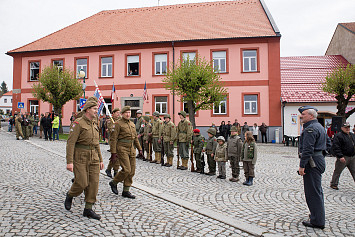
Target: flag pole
<point x="107" y="110"/>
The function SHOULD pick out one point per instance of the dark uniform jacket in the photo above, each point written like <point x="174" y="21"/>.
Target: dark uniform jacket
<point x="211" y="145"/>
<point x="198" y="142"/>
<point x="343" y="144"/>
<point x="125" y="135"/>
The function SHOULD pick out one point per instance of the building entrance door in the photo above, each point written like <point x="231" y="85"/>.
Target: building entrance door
<point x="136" y="103"/>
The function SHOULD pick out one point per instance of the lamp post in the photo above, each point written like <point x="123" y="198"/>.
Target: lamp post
<point x="82" y="75"/>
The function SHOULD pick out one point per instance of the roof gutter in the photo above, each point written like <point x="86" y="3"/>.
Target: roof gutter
<point x="269" y="16"/>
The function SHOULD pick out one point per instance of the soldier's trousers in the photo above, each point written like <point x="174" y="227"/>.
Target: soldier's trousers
<point x="113" y="165"/>
<point x="19" y="132"/>
<point x="198" y="161"/>
<point x="235" y="166"/>
<point x="184" y="150"/>
<point x="156" y="145"/>
<point x="313" y="191"/>
<point x="340" y="166"/>
<point x="222" y="168"/>
<point x="86" y="174"/>
<point x="211" y="164"/>
<point x="168" y="149"/>
<point x="249" y="168"/>
<point x="146" y="149"/>
<point x="25" y="132"/>
<point x="127" y="160"/>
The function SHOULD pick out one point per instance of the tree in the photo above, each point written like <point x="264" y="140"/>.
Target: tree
<point x="3" y="88"/>
<point x="341" y="84"/>
<point x="57" y="87"/>
<point x="196" y="83"/>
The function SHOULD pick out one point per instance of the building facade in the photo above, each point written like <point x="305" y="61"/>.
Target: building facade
<point x="133" y="47"/>
<point x="6" y="103"/>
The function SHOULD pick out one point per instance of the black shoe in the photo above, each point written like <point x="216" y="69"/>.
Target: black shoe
<point x="183" y="168"/>
<point x="179" y="167"/>
<point x="108" y="172"/>
<point x="219" y="176"/>
<point x="91" y="214"/>
<point x="72" y="180"/>
<point x="334" y="187"/>
<point x="113" y="187"/>
<point x="309" y="224"/>
<point x="211" y="173"/>
<point x="68" y="201"/>
<point x="128" y="194"/>
<point x="223" y="177"/>
<point x="17" y="138"/>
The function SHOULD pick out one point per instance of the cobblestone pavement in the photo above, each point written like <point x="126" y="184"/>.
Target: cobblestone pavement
<point x="34" y="183"/>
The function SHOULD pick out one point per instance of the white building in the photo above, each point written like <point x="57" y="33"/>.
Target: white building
<point x="6" y="102"/>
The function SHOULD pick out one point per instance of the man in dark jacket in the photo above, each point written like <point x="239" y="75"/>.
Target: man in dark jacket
<point x="46" y="122"/>
<point x="344" y="150"/>
<point x="263" y="129"/>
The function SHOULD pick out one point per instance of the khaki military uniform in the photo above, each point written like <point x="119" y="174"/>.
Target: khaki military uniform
<point x="31" y="119"/>
<point x="234" y="149"/>
<point x="184" y="137"/>
<point x="83" y="151"/>
<point x="198" y="143"/>
<point x="18" y="121"/>
<point x="124" y="140"/>
<point x="25" y="127"/>
<point x="169" y="136"/>
<point x="111" y="128"/>
<point x="211" y="149"/>
<point x="157" y="131"/>
<point x="147" y="139"/>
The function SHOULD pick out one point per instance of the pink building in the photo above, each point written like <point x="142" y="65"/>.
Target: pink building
<point x="131" y="47"/>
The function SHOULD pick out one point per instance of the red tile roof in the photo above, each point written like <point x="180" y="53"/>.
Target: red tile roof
<point x="197" y="21"/>
<point x="349" y="26"/>
<point x="8" y="93"/>
<point x="301" y="77"/>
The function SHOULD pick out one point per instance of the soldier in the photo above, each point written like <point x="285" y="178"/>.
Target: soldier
<point x="147" y="138"/>
<point x="234" y="148"/>
<point x="198" y="143"/>
<point x="138" y="122"/>
<point x="124" y="140"/>
<point x="313" y="143"/>
<point x="18" y="121"/>
<point x="184" y="138"/>
<point x="25" y="126"/>
<point x="84" y="158"/>
<point x="169" y="136"/>
<point x="210" y="151"/>
<point x="31" y="120"/>
<point x="111" y="128"/>
<point x="157" y="135"/>
<point x="41" y="126"/>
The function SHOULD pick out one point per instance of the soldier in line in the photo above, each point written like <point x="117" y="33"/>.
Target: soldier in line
<point x="157" y="135"/>
<point x="138" y="122"/>
<point x="210" y="151"/>
<point x="84" y="158"/>
<point x="18" y="126"/>
<point x="147" y="138"/>
<point x="198" y="143"/>
<point x="184" y="138"/>
<point x="234" y="148"/>
<point x="111" y="128"/>
<point x="169" y="136"/>
<point x="124" y="142"/>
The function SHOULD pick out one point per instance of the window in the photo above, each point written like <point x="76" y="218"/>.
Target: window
<point x="78" y="106"/>
<point x="221" y="107"/>
<point x="160" y="63"/>
<point x="34" y="71"/>
<point x="82" y="64"/>
<point x="161" y="104"/>
<point x="5" y="101"/>
<point x="109" y="106"/>
<point x="186" y="108"/>
<point x="189" y="56"/>
<point x="106" y="67"/>
<point x="250" y="104"/>
<point x="133" y="65"/>
<point x="219" y="61"/>
<point x="250" y="61"/>
<point x="59" y="64"/>
<point x="132" y="103"/>
<point x="34" y="106"/>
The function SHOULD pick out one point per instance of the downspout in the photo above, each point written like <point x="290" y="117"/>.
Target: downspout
<point x="172" y="45"/>
<point x="283" y="117"/>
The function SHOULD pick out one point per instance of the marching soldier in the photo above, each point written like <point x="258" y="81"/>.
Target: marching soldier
<point x="18" y="122"/>
<point x="111" y="128"/>
<point x="124" y="142"/>
<point x="84" y="158"/>
<point x="147" y="138"/>
<point x="184" y="138"/>
<point x="169" y="136"/>
<point x="210" y="151"/>
<point x="157" y="135"/>
<point x="198" y="143"/>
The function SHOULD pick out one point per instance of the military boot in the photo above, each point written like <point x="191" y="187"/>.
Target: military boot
<point x="155" y="158"/>
<point x="128" y="194"/>
<point x="91" y="214"/>
<point x="233" y="179"/>
<point x="246" y="181"/>
<point x="108" y="172"/>
<point x="250" y="183"/>
<point x="184" y="164"/>
<point x="113" y="187"/>
<point x="158" y="158"/>
<point x="68" y="202"/>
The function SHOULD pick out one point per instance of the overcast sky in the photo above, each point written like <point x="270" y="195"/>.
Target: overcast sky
<point x="307" y="26"/>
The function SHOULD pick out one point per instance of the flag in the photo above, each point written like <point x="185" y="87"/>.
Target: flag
<point x="100" y="100"/>
<point x="145" y="93"/>
<point x="113" y="93"/>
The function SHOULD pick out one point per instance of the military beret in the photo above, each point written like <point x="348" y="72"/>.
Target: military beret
<point x="196" y="130"/>
<point x="146" y="118"/>
<point x="220" y="138"/>
<point x="212" y="131"/>
<point x="234" y="129"/>
<point x="115" y="110"/>
<point x="156" y="113"/>
<point x="139" y="112"/>
<point x="183" y="113"/>
<point x="91" y="102"/>
<point x="125" y="109"/>
<point x="303" y="108"/>
<point x="167" y="116"/>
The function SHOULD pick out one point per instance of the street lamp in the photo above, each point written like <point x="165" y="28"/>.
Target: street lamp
<point x="82" y="76"/>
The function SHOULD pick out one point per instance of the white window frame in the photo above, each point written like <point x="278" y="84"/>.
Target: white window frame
<point x="220" y="107"/>
<point x="32" y="68"/>
<point x="217" y="58"/>
<point x="250" y="59"/>
<point x="190" y="55"/>
<point x="106" y="66"/>
<point x="160" y="59"/>
<point x="5" y="101"/>
<point x="81" y="67"/>
<point x="109" y="106"/>
<point x="61" y="67"/>
<point x="250" y="104"/>
<point x="131" y="59"/>
<point x="160" y="110"/>
<point x="34" y="108"/>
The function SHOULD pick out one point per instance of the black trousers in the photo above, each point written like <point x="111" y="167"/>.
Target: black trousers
<point x="47" y="133"/>
<point x="263" y="135"/>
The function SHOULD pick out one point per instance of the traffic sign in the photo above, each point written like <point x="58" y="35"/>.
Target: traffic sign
<point x="82" y="103"/>
<point x="20" y="105"/>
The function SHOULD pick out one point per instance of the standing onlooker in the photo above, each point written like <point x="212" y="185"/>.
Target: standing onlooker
<point x="313" y="142"/>
<point x="255" y="132"/>
<point x="223" y="130"/>
<point x="102" y="127"/>
<point x="221" y="157"/>
<point x="214" y="127"/>
<point x="344" y="149"/>
<point x="11" y="123"/>
<point x="249" y="157"/>
<point x="263" y="130"/>
<point x="41" y="126"/>
<point x="55" y="126"/>
<point x="35" y="124"/>
<point x="234" y="148"/>
<point x="330" y="133"/>
<point x="229" y="125"/>
<point x="237" y="125"/>
<point x="245" y="129"/>
<point x="47" y="126"/>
